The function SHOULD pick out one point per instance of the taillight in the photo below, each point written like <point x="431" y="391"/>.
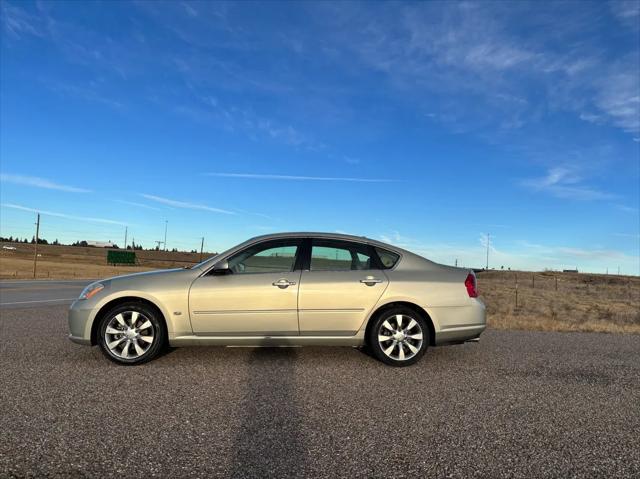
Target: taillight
<point x="470" y="284"/>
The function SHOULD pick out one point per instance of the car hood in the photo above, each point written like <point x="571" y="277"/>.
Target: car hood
<point x="145" y="274"/>
<point x="146" y="279"/>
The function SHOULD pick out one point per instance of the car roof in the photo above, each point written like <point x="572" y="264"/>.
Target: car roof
<point x="317" y="234"/>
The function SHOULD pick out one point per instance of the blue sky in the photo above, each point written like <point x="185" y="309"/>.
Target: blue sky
<point x="426" y="125"/>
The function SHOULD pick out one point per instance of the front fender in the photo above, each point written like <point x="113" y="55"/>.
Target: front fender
<point x="174" y="308"/>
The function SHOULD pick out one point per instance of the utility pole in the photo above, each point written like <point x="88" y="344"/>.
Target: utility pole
<point x="201" y="248"/>
<point x="126" y="228"/>
<point x="166" y="223"/>
<point x="35" y="249"/>
<point x="488" y="240"/>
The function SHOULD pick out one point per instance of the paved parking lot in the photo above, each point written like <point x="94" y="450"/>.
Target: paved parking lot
<point x="518" y="404"/>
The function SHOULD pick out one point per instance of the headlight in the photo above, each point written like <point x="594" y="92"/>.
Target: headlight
<point x="91" y="290"/>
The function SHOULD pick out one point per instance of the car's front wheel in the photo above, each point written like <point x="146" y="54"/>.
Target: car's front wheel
<point x="131" y="333"/>
<point x="398" y="336"/>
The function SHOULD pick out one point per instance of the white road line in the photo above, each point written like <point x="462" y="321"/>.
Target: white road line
<point x="38" y="301"/>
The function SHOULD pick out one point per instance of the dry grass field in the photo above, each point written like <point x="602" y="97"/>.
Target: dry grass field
<point x="64" y="262"/>
<point x="581" y="302"/>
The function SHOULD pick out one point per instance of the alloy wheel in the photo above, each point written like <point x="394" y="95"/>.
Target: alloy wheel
<point x="129" y="335"/>
<point x="400" y="337"/>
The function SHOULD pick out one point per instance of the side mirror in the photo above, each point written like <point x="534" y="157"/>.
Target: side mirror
<point x="221" y="268"/>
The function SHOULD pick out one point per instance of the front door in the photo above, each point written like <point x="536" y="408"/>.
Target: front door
<point x="340" y="288"/>
<point x="257" y="296"/>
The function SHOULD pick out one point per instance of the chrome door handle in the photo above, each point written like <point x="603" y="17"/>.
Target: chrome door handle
<point x="283" y="283"/>
<point x="370" y="281"/>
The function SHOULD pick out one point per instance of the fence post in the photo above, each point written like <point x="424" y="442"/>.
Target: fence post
<point x="556" y="283"/>
<point x="533" y="280"/>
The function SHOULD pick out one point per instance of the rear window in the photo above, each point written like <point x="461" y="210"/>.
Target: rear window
<point x="387" y="258"/>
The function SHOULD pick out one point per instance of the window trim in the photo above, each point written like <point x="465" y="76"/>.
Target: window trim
<point x="304" y="252"/>
<point x="342" y="244"/>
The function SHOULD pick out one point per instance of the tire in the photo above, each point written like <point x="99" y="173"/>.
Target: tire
<point x="406" y="344"/>
<point x="134" y="327"/>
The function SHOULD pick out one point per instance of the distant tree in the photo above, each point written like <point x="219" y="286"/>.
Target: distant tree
<point x="56" y="242"/>
<point x="33" y="240"/>
<point x="174" y="250"/>
<point x="115" y="246"/>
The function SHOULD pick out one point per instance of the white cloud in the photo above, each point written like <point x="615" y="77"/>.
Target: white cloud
<point x="619" y="95"/>
<point x="185" y="204"/>
<point x="563" y="182"/>
<point x="257" y="176"/>
<point x="523" y="255"/>
<point x="627" y="209"/>
<point x="40" y="183"/>
<point x="635" y="236"/>
<point x="63" y="215"/>
<point x="139" y="205"/>
<point x="17" y="23"/>
<point x="471" y="55"/>
<point x="627" y="12"/>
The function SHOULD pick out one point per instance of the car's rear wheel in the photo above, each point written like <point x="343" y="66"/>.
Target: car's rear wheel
<point x="398" y="336"/>
<point x="131" y="333"/>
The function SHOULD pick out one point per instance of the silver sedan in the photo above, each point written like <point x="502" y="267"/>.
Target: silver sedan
<point x="290" y="289"/>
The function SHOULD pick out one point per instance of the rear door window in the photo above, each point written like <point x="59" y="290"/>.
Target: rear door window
<point x="328" y="255"/>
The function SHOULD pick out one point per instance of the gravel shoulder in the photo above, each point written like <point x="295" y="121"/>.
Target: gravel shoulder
<point x="518" y="404"/>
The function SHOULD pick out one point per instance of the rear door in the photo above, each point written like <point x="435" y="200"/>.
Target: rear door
<point x="257" y="296"/>
<point x="340" y="284"/>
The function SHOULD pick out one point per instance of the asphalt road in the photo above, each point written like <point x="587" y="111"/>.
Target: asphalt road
<point x="517" y="404"/>
<point x="29" y="294"/>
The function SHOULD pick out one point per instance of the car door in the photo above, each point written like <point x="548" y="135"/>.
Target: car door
<point x="256" y="296"/>
<point x="339" y="286"/>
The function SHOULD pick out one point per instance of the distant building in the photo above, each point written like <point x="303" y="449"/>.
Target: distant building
<point x="100" y="244"/>
<point x="569" y="270"/>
